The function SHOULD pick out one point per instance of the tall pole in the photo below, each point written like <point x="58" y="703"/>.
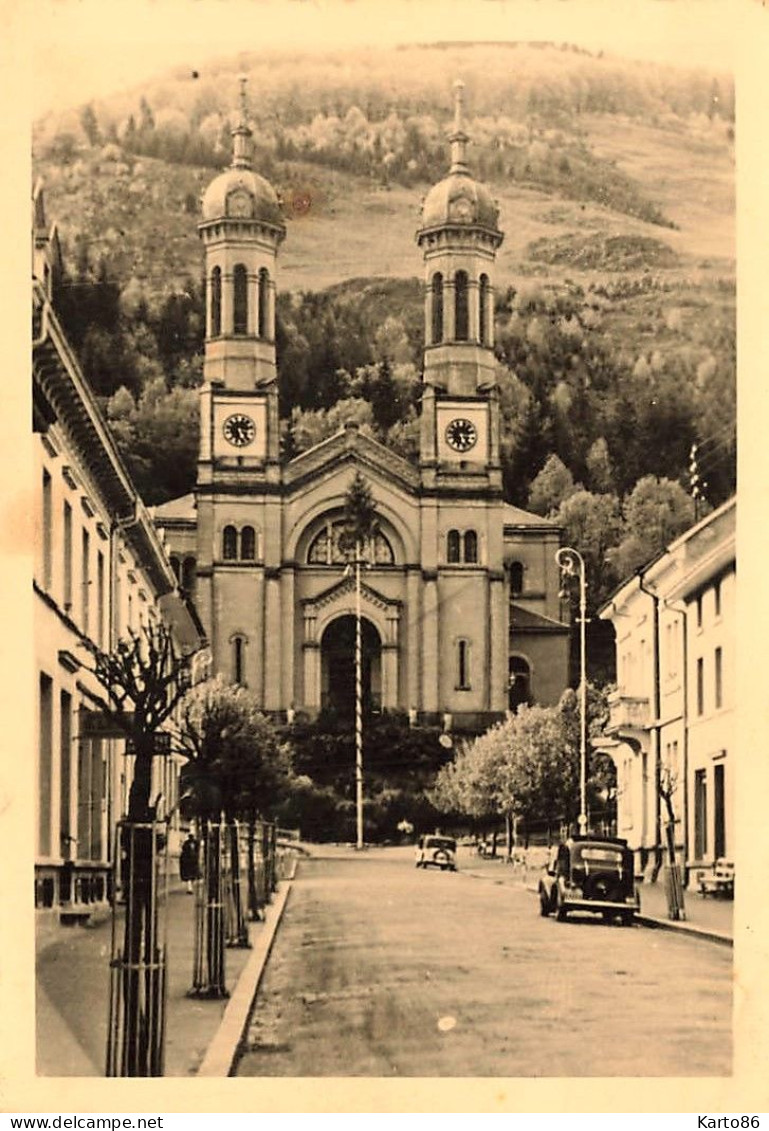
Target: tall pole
<point x="568" y="560"/>
<point x="358" y="705"/>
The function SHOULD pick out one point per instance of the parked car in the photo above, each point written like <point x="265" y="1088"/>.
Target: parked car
<point x="590" y="874"/>
<point x="437" y="852"/>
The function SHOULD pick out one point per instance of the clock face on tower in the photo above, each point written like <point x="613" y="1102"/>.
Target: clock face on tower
<point x="461" y="434"/>
<point x="239" y="429"/>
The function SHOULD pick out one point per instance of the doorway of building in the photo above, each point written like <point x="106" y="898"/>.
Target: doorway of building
<point x="337" y="651"/>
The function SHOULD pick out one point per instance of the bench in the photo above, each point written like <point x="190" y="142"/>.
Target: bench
<point x="718" y="882"/>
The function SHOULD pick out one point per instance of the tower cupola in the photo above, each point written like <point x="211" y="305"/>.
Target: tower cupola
<point x="242" y="229"/>
<point x="459" y="236"/>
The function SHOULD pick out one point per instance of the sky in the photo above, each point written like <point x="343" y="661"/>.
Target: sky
<point x="82" y="49"/>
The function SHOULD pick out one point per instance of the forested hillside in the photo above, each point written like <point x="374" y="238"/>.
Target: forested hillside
<point x="615" y="284"/>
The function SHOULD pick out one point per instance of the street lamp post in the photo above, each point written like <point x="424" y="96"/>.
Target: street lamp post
<point x="571" y="563"/>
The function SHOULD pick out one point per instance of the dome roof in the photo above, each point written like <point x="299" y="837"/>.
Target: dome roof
<point x="241" y="193"/>
<point x="460" y="199"/>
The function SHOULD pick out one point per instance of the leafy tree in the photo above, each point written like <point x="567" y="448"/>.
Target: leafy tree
<point x="309" y="427"/>
<point x="655" y="512"/>
<point x="158" y="437"/>
<point x="592" y="525"/>
<point x="90" y="124"/>
<point x="551" y="487"/>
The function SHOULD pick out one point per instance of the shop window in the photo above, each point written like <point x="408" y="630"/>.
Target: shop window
<point x="437" y="295"/>
<point x="452" y="546"/>
<point x="230" y="544"/>
<point x="239" y="300"/>
<point x="461" y="308"/>
<point x="216" y="302"/>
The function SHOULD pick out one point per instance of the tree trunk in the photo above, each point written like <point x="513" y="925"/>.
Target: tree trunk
<point x="238" y="933"/>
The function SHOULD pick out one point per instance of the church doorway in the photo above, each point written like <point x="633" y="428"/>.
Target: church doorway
<point x="337" y="657"/>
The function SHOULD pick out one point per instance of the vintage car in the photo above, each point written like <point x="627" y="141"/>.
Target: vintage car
<point x="586" y="873"/>
<point x="437" y="852"/>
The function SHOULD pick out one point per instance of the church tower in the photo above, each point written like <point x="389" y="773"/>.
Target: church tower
<point x="459" y="237"/>
<point x="241" y="229"/>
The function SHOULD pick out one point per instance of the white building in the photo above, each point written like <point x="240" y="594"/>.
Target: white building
<point x="100" y="569"/>
<point x="672" y="717"/>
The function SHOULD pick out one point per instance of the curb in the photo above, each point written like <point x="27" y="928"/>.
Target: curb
<point x="219" y="1059"/>
<point x="685" y="928"/>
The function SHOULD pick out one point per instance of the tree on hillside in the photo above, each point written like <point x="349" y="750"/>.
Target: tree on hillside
<point x="592" y="525"/>
<point x="551" y="487"/>
<point x="655" y="512"/>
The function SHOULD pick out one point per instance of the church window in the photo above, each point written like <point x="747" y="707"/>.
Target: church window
<point x="188" y="572"/>
<point x="516" y="578"/>
<point x="238" y="659"/>
<point x="264" y="303"/>
<point x="247" y="544"/>
<point x="437" y="296"/>
<point x="230" y="544"/>
<point x="326" y="550"/>
<point x="216" y="302"/>
<point x="461" y="315"/>
<point x="483" y="310"/>
<point x="463" y="665"/>
<point x="471" y="546"/>
<point x="175" y="567"/>
<point x="239" y="300"/>
<point x="452" y="546"/>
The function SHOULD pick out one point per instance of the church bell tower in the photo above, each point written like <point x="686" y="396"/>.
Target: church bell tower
<point x="459" y="237"/>
<point x="241" y="229"/>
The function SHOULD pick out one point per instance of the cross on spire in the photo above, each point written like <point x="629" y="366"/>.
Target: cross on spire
<point x="241" y="135"/>
<point x="459" y="137"/>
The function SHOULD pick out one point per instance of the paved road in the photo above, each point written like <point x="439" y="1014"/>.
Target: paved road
<point x="380" y="969"/>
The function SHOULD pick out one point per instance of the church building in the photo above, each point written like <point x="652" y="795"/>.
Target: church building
<point x="460" y="603"/>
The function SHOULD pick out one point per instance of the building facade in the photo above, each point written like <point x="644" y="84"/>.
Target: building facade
<point x="100" y="571"/>
<point x="672" y="717"/>
<point x="460" y="605"/>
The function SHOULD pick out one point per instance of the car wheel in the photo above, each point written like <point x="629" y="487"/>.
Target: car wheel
<point x="560" y="910"/>
<point x="627" y="918"/>
<point x="607" y="916"/>
<point x="544" y="909"/>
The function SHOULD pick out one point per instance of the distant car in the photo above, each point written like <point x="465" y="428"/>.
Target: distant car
<point x="590" y="874"/>
<point x="437" y="852"/>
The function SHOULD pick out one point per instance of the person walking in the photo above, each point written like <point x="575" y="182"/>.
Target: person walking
<point x="188" y="861"/>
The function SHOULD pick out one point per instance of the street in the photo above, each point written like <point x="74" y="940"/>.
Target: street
<point x="380" y="969"/>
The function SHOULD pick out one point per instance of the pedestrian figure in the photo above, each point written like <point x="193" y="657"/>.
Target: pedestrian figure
<point x="188" y="861"/>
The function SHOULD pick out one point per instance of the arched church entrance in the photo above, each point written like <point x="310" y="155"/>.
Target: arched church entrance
<point x="337" y="672"/>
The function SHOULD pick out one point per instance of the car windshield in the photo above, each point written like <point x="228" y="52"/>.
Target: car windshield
<point x="440" y="842"/>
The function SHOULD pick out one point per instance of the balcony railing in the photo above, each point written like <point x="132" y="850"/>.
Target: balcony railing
<point x="628" y="712"/>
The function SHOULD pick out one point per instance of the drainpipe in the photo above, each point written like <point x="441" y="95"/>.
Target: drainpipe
<point x="657" y="713"/>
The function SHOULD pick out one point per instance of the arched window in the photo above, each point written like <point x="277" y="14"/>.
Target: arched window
<point x="230" y="544"/>
<point x="247" y="544"/>
<point x="216" y="302"/>
<point x="239" y="300"/>
<point x="519" y="686"/>
<point x="264" y="303"/>
<point x="516" y="578"/>
<point x="188" y="575"/>
<point x="471" y="546"/>
<point x="452" y="546"/>
<point x="483" y="310"/>
<point x="437" y="295"/>
<point x="326" y="550"/>
<point x="238" y="659"/>
<point x="463" y="665"/>
<point x="175" y="567"/>
<point x="461" y="312"/>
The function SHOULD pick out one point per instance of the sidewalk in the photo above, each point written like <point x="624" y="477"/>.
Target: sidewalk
<point x="710" y="917"/>
<point x="72" y="992"/>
